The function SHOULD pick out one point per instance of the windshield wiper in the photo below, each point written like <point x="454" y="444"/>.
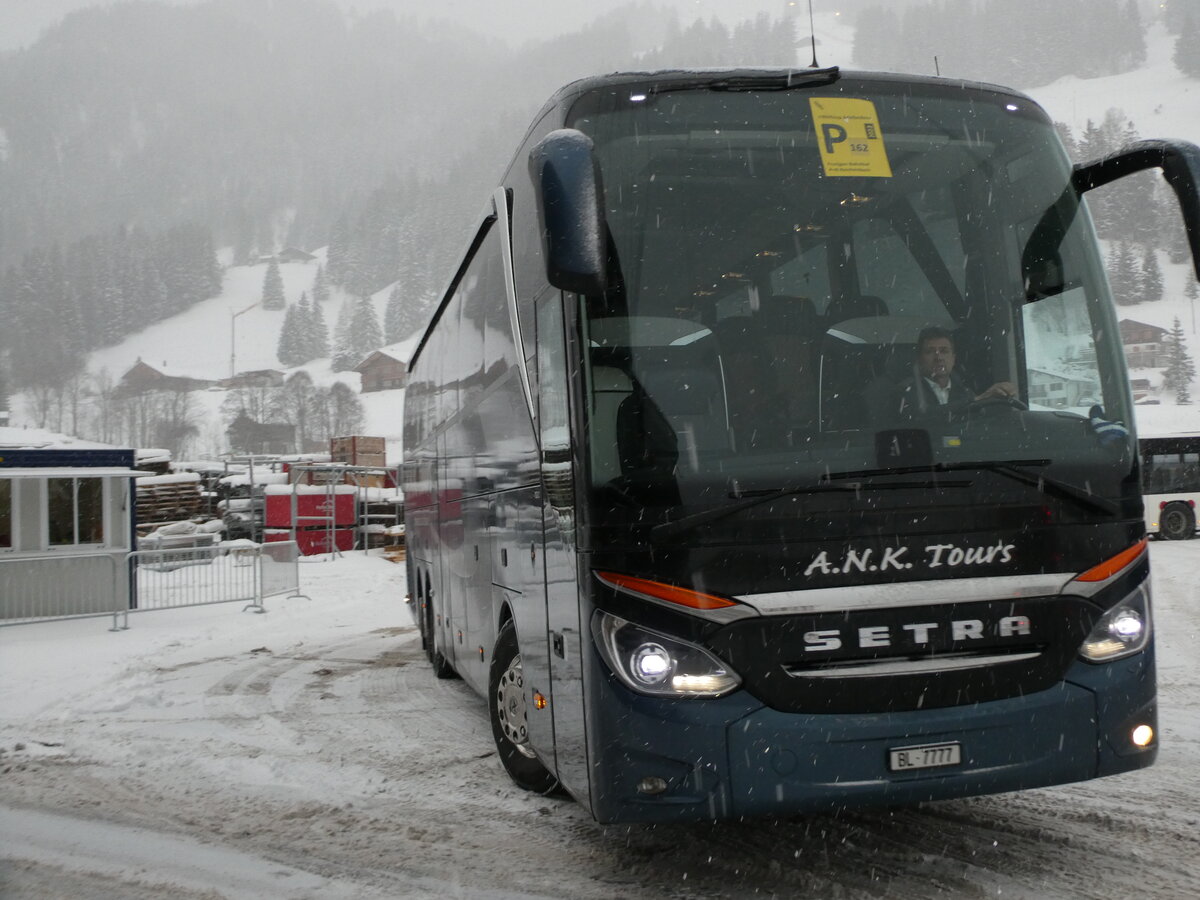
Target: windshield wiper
<point x="753" y="81"/>
<point x="1009" y="468"/>
<point x="828" y="483"/>
<point x="754" y="498"/>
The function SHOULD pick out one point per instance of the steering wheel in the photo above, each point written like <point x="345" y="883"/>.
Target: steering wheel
<point x="1011" y="402"/>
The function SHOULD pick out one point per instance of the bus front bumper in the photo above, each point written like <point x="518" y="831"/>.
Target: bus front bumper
<point x="669" y="761"/>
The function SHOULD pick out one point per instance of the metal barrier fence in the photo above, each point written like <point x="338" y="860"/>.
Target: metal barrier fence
<point x="41" y="588"/>
<point x="62" y="586"/>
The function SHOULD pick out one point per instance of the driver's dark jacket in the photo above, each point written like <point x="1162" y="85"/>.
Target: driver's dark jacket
<point x="915" y="396"/>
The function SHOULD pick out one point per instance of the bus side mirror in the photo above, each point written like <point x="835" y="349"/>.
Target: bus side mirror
<point x="1180" y="162"/>
<point x="566" y="179"/>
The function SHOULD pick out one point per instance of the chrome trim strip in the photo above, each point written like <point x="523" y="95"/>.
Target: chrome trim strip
<point x="500" y="205"/>
<point x="910" y="666"/>
<point x="907" y="593"/>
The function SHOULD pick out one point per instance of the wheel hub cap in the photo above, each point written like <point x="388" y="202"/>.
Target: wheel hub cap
<point x="511" y="708"/>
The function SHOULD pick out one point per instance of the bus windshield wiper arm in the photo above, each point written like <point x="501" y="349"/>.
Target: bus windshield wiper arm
<point x="687" y="523"/>
<point x="1009" y="468"/>
<point x="765" y="81"/>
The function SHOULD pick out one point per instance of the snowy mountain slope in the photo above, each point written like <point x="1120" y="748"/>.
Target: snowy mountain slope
<point x="1159" y="101"/>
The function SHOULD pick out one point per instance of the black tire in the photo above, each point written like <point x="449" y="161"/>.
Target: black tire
<point x="508" y="712"/>
<point x="1177" y="522"/>
<point x="441" y="665"/>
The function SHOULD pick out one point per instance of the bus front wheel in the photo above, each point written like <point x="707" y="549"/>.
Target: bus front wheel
<point x="1177" y="522"/>
<point x="509" y="714"/>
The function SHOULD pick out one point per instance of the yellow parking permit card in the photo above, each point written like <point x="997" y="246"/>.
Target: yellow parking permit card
<point x="849" y="136"/>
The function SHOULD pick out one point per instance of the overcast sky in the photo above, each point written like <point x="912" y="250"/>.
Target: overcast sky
<point x="21" y="21"/>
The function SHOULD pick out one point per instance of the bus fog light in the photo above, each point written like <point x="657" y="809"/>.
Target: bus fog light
<point x="654" y="663"/>
<point x="1143" y="736"/>
<point x="1122" y="631"/>
<point x="652" y="785"/>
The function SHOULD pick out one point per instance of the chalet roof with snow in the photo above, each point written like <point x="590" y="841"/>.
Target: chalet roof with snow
<point x="142" y="376"/>
<point x="13" y="438"/>
<point x="399" y="352"/>
<point x="383" y="355"/>
<point x="1134" y="332"/>
<point x="254" y="378"/>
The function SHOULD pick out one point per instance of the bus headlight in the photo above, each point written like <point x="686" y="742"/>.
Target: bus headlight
<point x="1122" y="631"/>
<point x="653" y="663"/>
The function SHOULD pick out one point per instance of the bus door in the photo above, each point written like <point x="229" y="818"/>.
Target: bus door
<point x="562" y="588"/>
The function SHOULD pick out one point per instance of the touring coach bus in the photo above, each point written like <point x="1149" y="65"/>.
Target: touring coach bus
<point x="1171" y="484"/>
<point x="669" y="509"/>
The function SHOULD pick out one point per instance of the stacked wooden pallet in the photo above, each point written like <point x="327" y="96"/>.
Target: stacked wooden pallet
<point x="169" y="498"/>
<point x="394" y="549"/>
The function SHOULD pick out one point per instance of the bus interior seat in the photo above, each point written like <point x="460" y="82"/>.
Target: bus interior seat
<point x="858" y="361"/>
<point x="657" y="386"/>
<point x="793" y="335"/>
<point x="691" y="401"/>
<point x="610" y="386"/>
<point x="881" y="394"/>
<point x="855" y="306"/>
<point x="749" y="381"/>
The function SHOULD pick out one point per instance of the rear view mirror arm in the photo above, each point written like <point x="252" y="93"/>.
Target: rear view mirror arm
<point x="1180" y="162"/>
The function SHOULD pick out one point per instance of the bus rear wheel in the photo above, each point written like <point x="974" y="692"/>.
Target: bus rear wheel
<point x="509" y="714"/>
<point x="1177" y="522"/>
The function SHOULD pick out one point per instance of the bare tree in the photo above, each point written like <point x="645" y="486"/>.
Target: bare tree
<point x="297" y="402"/>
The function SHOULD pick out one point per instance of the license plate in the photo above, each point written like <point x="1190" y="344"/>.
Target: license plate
<point x="924" y="756"/>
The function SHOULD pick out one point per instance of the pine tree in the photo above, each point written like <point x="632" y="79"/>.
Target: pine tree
<point x="1068" y="139"/>
<point x="335" y="254"/>
<point x="1187" y="49"/>
<point x="272" y="294"/>
<point x="343" y="350"/>
<point x="1180" y="370"/>
<point x="290" y="349"/>
<point x="318" y="332"/>
<point x="1191" y="288"/>
<point x="1175" y="14"/>
<point x="366" y="334"/>
<point x="1150" y="279"/>
<point x="1123" y="275"/>
<point x="393" y="316"/>
<point x="1132" y="35"/>
<point x="320" y="287"/>
<point x="304" y="329"/>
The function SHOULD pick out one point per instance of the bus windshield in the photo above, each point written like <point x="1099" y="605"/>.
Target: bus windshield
<point x="858" y="285"/>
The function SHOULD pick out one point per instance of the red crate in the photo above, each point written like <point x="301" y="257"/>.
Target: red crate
<point x="308" y="507"/>
<point x="313" y="541"/>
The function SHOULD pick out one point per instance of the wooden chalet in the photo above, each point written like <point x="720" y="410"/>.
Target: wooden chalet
<point x="383" y="370"/>
<point x="143" y="377"/>
<point x="254" y="379"/>
<point x="1145" y="345"/>
<point x="249" y="437"/>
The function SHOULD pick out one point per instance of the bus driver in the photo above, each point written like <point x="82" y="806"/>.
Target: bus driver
<point x="936" y="383"/>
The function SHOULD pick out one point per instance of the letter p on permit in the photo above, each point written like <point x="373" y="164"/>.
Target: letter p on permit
<point x="832" y="135"/>
<point x="850" y="138"/>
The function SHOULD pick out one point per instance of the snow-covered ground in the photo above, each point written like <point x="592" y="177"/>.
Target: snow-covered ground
<point x="311" y="753"/>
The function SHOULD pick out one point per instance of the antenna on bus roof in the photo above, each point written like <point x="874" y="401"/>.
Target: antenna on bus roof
<point x="937" y="70"/>
<point x="812" y="29"/>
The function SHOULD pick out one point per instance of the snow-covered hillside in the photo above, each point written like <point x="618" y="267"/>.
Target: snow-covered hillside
<point x="230" y="332"/>
<point x="201" y="341"/>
